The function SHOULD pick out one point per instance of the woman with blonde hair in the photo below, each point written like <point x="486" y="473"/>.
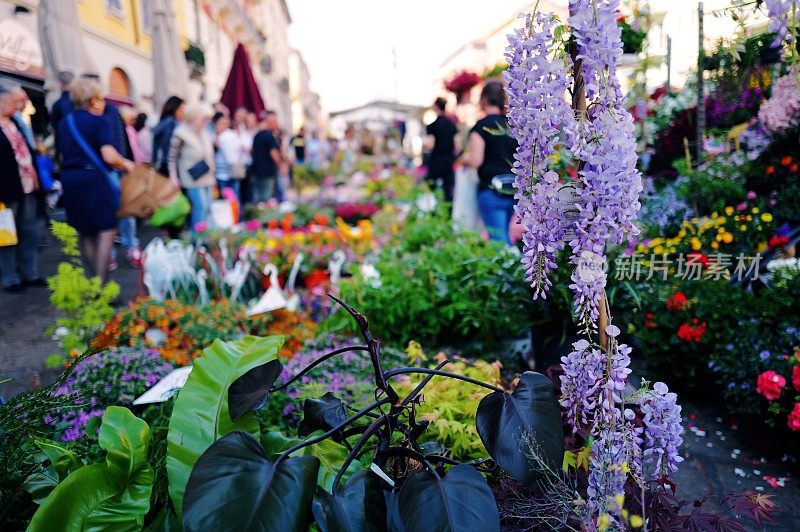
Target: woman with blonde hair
<point x="191" y="161"/>
<point x="91" y="192"/>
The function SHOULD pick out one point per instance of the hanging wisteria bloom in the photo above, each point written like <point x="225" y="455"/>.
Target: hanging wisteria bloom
<point x="598" y="207"/>
<point x="783" y="15"/>
<point x="537" y="114"/>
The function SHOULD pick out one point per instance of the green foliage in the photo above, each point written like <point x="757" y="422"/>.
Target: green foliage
<point x="306" y="176"/>
<point x="441" y="285"/>
<point x="451" y="408"/>
<point x="62" y="462"/>
<point x="632" y="40"/>
<point x="200" y="415"/>
<point x="110" y="495"/>
<point x="85" y="302"/>
<point x="713" y="186"/>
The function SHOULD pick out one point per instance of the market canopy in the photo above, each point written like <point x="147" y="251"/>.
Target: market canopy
<point x="170" y="72"/>
<point x="241" y="89"/>
<point x="61" y="41"/>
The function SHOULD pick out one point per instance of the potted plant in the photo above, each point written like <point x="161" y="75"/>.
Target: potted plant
<point x="461" y="83"/>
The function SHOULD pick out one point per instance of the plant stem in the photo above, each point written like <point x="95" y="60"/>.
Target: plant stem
<point x="405" y="371"/>
<point x="361" y="413"/>
<point x="413" y="395"/>
<point x="319" y="361"/>
<point x="377" y="424"/>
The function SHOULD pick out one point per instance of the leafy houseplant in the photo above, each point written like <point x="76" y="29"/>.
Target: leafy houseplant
<point x="85" y="302"/>
<point x="238" y="483"/>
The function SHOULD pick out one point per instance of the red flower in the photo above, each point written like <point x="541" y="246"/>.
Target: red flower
<point x="688" y="333"/>
<point x="796" y="378"/>
<point x="793" y="168"/>
<point x="777" y="241"/>
<point x="648" y="322"/>
<point x="770" y="385"/>
<point x="770" y="170"/>
<point x="696" y="257"/>
<point x="786" y="161"/>
<point x="677" y="301"/>
<point x="794" y="418"/>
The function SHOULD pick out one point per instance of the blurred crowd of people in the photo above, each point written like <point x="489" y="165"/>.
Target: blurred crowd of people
<point x="207" y="151"/>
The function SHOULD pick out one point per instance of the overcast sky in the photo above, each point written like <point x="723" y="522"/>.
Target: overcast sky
<point x="348" y="44"/>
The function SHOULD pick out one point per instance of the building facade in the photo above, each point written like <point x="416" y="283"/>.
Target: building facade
<point x="306" y="109"/>
<point x="116" y="35"/>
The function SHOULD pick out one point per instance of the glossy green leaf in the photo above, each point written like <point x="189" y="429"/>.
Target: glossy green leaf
<point x="331" y="456"/>
<point x="359" y="507"/>
<point x="63" y="462"/>
<point x="113" y="495"/>
<point x="200" y="415"/>
<point x="461" y="500"/>
<point x="235" y="487"/>
<point x="514" y="427"/>
<point x="274" y="443"/>
<point x="251" y="391"/>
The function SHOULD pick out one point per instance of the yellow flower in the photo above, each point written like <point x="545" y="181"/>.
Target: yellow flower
<point x="743" y="228"/>
<point x="714" y="246"/>
<point x="619" y="498"/>
<point x="718" y="238"/>
<point x="727" y="238"/>
<point x="721" y="220"/>
<point x="696" y="244"/>
<point x="755" y="210"/>
<point x="682" y="233"/>
<point x="714" y="215"/>
<point x="602" y="523"/>
<point x="636" y="521"/>
<point x="761" y="247"/>
<point x="721" y="230"/>
<point x="728" y="210"/>
<point x="766" y="217"/>
<point x="759" y="228"/>
<point x="749" y="218"/>
<point x="658" y="250"/>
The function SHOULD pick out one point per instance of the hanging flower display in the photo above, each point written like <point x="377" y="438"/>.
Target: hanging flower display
<point x="461" y="83"/>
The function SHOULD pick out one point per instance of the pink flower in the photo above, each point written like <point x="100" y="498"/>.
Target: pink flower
<point x="751" y="195"/>
<point x="742" y="206"/>
<point x="252" y="225"/>
<point x="794" y="418"/>
<point x="770" y="384"/>
<point x="201" y="227"/>
<point x="796" y="378"/>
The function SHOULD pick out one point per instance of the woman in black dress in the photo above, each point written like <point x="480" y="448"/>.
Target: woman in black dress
<point x="91" y="198"/>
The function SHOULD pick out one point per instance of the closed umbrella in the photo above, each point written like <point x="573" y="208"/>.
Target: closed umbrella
<point x="241" y="89"/>
<point x="62" y="44"/>
<point x="170" y="72"/>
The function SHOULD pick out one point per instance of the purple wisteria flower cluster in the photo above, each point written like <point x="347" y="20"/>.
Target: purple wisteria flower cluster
<point x="602" y="204"/>
<point x="599" y="207"/>
<point x="780" y="13"/>
<point x="663" y="432"/>
<point x="113" y="377"/>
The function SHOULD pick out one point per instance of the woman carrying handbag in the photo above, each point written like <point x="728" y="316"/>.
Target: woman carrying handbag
<point x="91" y="189"/>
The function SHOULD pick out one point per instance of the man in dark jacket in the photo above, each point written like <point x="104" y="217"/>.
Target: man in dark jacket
<point x="63" y="106"/>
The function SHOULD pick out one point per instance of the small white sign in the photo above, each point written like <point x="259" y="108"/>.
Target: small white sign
<point x="166" y="387"/>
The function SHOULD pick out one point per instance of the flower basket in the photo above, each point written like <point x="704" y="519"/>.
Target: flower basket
<point x="461" y="84"/>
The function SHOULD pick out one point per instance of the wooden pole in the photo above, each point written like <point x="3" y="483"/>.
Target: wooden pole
<point x="701" y="100"/>
<point x="668" y="85"/>
<point x="579" y="106"/>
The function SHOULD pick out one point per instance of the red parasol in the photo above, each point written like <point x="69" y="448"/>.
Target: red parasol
<point x="241" y="89"/>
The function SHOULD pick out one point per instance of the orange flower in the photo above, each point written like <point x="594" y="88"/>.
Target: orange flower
<point x="793" y="168"/>
<point x="770" y="170"/>
<point x="786" y="161"/>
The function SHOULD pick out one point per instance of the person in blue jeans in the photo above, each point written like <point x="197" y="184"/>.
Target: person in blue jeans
<point x="491" y="151"/>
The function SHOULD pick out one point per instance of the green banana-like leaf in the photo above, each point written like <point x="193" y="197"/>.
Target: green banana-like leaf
<point x="63" y="462"/>
<point x="113" y="495"/>
<point x="200" y="416"/>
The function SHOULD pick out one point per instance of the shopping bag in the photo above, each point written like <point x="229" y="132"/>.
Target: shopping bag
<point x="465" y="198"/>
<point x="143" y="191"/>
<point x="173" y="213"/>
<point x="8" y="229"/>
